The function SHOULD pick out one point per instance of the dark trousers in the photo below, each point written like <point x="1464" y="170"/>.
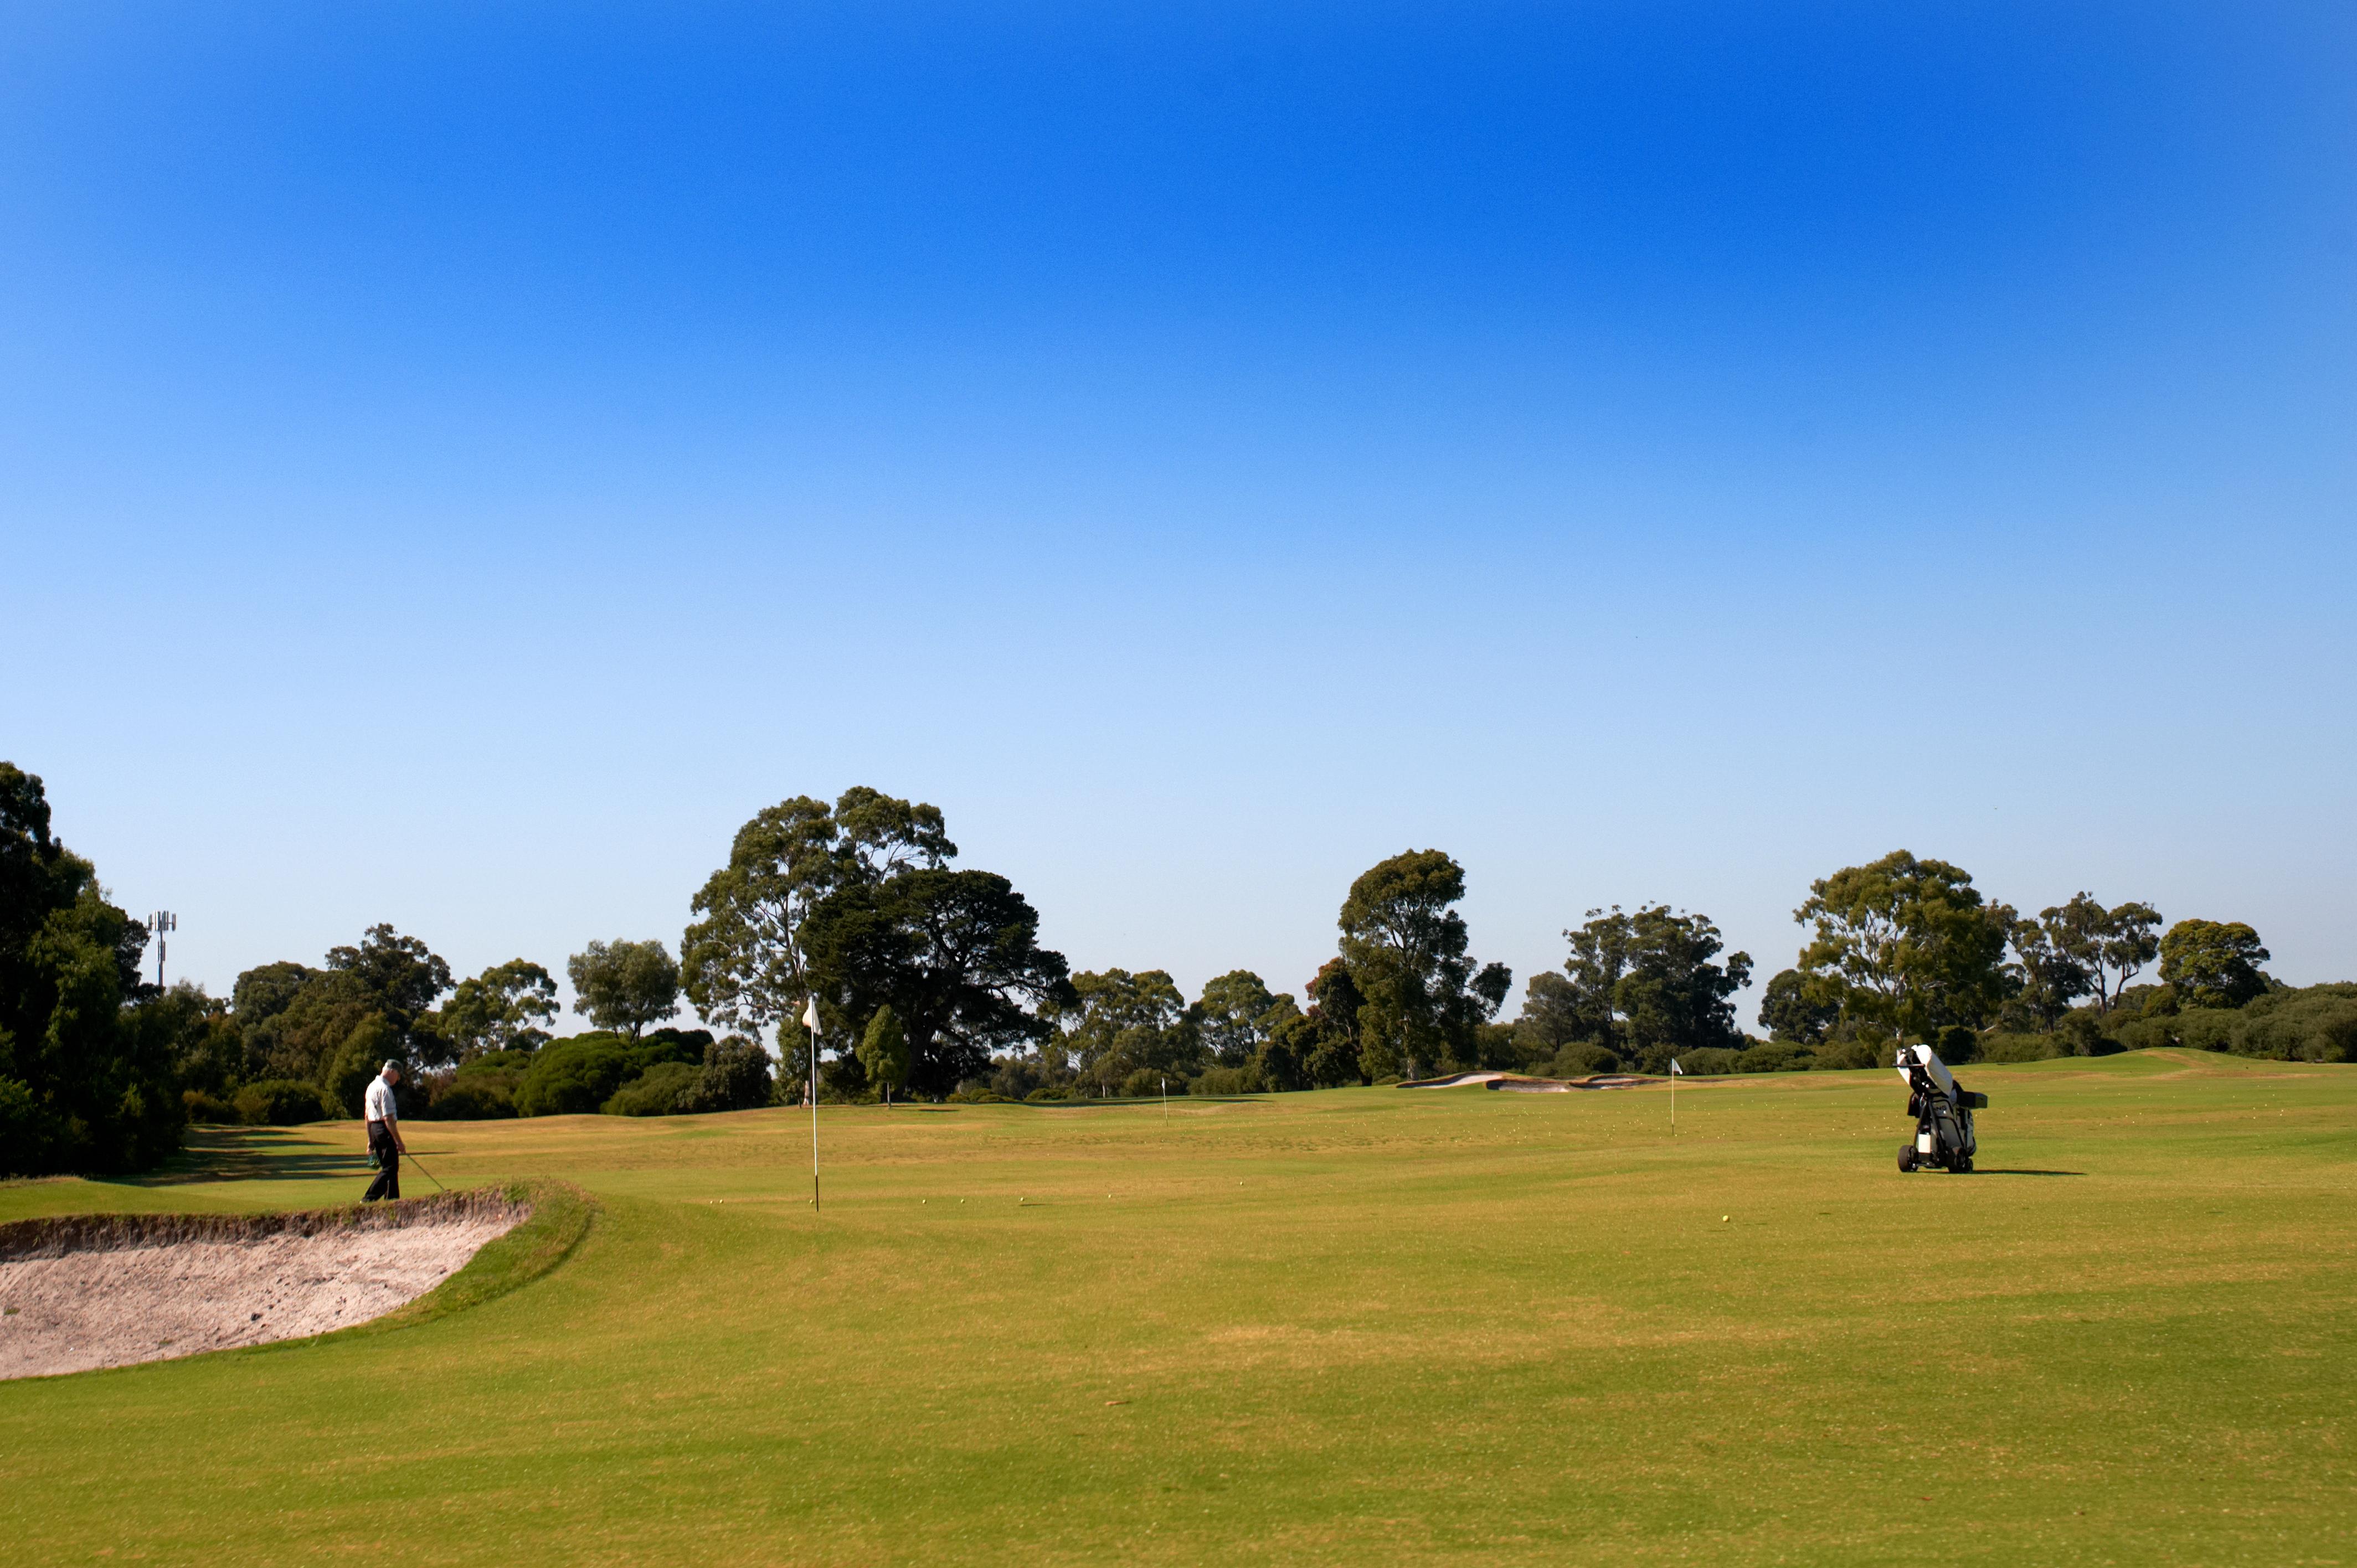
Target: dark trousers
<point x="387" y="1175"/>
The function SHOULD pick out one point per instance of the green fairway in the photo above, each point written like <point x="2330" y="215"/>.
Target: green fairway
<point x="1358" y="1326"/>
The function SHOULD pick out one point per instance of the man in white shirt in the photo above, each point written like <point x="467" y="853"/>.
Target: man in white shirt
<point x="384" y="1135"/>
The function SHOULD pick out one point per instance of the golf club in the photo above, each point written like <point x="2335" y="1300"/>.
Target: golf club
<point x="428" y="1175"/>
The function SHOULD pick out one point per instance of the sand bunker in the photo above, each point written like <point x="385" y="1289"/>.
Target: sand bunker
<point x="106" y="1291"/>
<point x="1522" y="1083"/>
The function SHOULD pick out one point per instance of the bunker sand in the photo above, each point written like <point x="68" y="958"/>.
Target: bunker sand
<point x="80" y="1295"/>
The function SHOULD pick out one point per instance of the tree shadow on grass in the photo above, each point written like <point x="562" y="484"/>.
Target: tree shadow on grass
<point x="243" y="1154"/>
<point x="2000" y="1170"/>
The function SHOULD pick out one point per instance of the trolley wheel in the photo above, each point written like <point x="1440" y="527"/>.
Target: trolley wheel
<point x="1964" y="1164"/>
<point x="1906" y="1157"/>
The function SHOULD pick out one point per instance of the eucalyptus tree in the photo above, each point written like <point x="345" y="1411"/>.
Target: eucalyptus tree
<point x="1331" y="1057"/>
<point x="2213" y="963"/>
<point x="624" y="985"/>
<point x="1791" y="1007"/>
<point x="2108" y="947"/>
<point x="80" y="1089"/>
<point x="1118" y="1022"/>
<point x="505" y="1008"/>
<point x="744" y="964"/>
<point x="1647" y="984"/>
<point x="1405" y="944"/>
<point x="1906" y="946"/>
<point x="2047" y="972"/>
<point x="1234" y="1015"/>
<point x="956" y="955"/>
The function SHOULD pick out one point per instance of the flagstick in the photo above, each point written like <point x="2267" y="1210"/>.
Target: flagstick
<point x="813" y="1099"/>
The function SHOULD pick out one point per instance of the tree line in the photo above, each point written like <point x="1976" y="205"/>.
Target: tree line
<point x="930" y="981"/>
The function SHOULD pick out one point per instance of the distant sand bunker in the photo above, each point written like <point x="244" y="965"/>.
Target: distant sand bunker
<point x="1522" y="1083"/>
<point x="106" y="1291"/>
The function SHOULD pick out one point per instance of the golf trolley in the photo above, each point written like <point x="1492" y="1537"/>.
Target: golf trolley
<point x="1943" y="1110"/>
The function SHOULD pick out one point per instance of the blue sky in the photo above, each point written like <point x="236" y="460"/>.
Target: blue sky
<point x="459" y="462"/>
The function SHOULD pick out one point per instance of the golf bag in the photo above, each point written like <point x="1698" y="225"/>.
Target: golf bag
<point x="1943" y="1110"/>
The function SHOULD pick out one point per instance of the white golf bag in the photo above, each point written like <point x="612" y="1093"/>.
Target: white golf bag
<point x="1943" y="1110"/>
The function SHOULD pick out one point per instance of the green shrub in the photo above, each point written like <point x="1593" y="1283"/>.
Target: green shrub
<point x="2317" y="1023"/>
<point x="471" y="1099"/>
<point x="1581" y="1058"/>
<point x="203" y="1107"/>
<point x="360" y="1057"/>
<point x="2145" y="1032"/>
<point x="1227" y="1081"/>
<point x="735" y="1075"/>
<point x="1147" y="1083"/>
<point x="1012" y="1078"/>
<point x="2022" y="1047"/>
<point x="1709" y="1061"/>
<point x="1049" y="1093"/>
<point x="663" y="1090"/>
<point x="284" y="1102"/>
<point x="1772" y="1056"/>
<point x="575" y="1077"/>
<point x="2206" y="1028"/>
<point x="1848" y="1056"/>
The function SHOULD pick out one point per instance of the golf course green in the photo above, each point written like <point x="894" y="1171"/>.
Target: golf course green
<point x="1357" y="1325"/>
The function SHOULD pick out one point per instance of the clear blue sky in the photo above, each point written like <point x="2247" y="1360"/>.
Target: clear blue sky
<point x="459" y="462"/>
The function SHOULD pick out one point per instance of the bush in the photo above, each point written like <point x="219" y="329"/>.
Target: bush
<point x="1147" y="1083"/>
<point x="735" y="1075"/>
<point x="2206" y="1028"/>
<point x="1774" y="1056"/>
<point x="471" y="1099"/>
<point x="663" y="1090"/>
<point x="1014" y="1078"/>
<point x="483" y="1089"/>
<point x="203" y="1107"/>
<point x="1848" y="1056"/>
<point x="1048" y="1094"/>
<point x="1581" y="1058"/>
<point x="575" y="1077"/>
<point x="2317" y="1023"/>
<point x="1227" y="1081"/>
<point x="2022" y="1049"/>
<point x="285" y="1102"/>
<point x="2143" y="1034"/>
<point x="360" y="1057"/>
<point x="843" y="1081"/>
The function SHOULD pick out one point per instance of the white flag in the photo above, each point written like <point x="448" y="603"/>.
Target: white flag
<point x="1675" y="1071"/>
<point x="810" y="1016"/>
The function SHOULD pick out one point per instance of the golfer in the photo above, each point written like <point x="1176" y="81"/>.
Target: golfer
<point x="384" y="1135"/>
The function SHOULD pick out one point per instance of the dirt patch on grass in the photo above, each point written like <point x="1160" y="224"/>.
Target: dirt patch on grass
<point x="111" y="1290"/>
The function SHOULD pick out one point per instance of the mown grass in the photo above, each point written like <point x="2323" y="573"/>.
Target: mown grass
<point x="1354" y="1327"/>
